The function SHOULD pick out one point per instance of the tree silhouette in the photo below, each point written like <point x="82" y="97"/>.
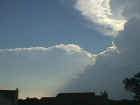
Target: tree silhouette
<point x="104" y="94"/>
<point x="133" y="85"/>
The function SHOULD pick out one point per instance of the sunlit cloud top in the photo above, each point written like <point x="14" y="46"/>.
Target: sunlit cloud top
<point x="100" y="12"/>
<point x="69" y="48"/>
<point x="47" y="69"/>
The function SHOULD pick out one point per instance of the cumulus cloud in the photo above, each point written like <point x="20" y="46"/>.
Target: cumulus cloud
<point x="100" y="12"/>
<point x="109" y="16"/>
<point x="113" y="65"/>
<point x="44" y="70"/>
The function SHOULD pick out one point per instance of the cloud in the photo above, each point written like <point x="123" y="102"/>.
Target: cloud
<point x="108" y="16"/>
<point x="118" y="61"/>
<point x="69" y="48"/>
<point x="47" y="71"/>
<point x="100" y="12"/>
<point x="113" y="65"/>
<point x="40" y="71"/>
<point x="129" y="8"/>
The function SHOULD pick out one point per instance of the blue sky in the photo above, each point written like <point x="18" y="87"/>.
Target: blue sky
<point x="45" y="23"/>
<point x="52" y="46"/>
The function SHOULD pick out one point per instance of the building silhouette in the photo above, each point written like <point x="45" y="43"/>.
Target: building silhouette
<point x="8" y="97"/>
<point x="80" y="99"/>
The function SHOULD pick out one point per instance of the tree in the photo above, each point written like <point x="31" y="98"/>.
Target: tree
<point x="132" y="84"/>
<point x="104" y="94"/>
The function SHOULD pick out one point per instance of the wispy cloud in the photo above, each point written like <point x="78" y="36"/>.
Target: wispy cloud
<point x="69" y="48"/>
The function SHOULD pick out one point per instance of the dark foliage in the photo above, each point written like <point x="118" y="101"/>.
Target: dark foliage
<point x="76" y="99"/>
<point x="133" y="85"/>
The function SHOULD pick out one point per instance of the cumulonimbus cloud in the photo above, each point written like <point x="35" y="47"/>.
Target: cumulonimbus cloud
<point x="113" y="65"/>
<point x="53" y="68"/>
<point x="43" y="69"/>
<point x="119" y="61"/>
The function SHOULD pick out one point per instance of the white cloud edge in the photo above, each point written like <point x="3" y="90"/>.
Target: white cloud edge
<point x="68" y="48"/>
<point x="100" y="12"/>
<point x="112" y="48"/>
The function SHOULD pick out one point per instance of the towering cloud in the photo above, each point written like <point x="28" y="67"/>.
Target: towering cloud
<point x="122" y="59"/>
<point x="113" y="66"/>
<point x="40" y="71"/>
<point x="46" y="71"/>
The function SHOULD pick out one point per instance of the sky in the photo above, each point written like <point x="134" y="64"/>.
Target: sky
<point x="52" y="46"/>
